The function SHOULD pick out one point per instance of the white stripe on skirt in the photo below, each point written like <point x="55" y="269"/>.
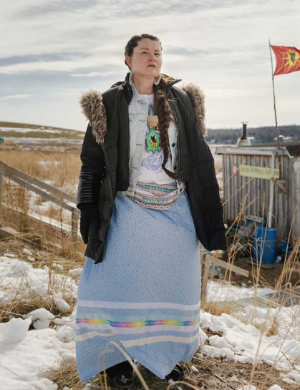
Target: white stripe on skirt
<point x="144" y="341"/>
<point x="137" y="305"/>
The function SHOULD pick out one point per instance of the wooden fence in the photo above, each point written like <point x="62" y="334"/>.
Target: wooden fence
<point x="44" y="190"/>
<point x="206" y="261"/>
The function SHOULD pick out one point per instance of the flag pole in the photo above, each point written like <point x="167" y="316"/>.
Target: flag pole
<point x="277" y="132"/>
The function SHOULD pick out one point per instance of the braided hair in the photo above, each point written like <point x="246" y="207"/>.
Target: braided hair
<point x="162" y="107"/>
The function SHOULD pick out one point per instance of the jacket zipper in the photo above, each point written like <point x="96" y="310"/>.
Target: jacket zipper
<point x="178" y="131"/>
<point x="178" y="135"/>
<point x="108" y="208"/>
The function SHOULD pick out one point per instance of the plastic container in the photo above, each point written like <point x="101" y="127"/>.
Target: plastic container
<point x="265" y="244"/>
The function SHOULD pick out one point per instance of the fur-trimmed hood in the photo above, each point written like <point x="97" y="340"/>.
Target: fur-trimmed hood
<point x="94" y="109"/>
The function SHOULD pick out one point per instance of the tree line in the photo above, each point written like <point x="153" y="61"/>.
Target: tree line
<point x="260" y="134"/>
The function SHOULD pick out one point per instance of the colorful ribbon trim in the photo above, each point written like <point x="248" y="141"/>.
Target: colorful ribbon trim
<point x="137" y="323"/>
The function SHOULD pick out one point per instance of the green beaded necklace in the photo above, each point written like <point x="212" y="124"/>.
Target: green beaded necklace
<point x="153" y="136"/>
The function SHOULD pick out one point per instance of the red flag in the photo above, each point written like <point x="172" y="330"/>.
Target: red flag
<point x="287" y="59"/>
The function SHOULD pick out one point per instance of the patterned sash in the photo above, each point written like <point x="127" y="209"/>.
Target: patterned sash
<point x="155" y="196"/>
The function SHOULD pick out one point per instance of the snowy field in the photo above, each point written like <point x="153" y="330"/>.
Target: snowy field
<point x="42" y="340"/>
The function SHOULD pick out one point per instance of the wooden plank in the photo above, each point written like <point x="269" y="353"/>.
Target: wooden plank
<point x="75" y="216"/>
<point x="30" y="179"/>
<point x="204" y="278"/>
<point x="1" y="185"/>
<point x="7" y="232"/>
<point x="224" y="264"/>
<point x="39" y="192"/>
<point x="53" y="223"/>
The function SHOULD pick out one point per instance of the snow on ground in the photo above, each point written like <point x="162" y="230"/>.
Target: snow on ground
<point x="23" y="361"/>
<point x="246" y="344"/>
<point x="25" y="354"/>
<point x="226" y="292"/>
<point x="16" y="275"/>
<point x="28" y="129"/>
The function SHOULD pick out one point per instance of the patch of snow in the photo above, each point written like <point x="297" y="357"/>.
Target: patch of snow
<point x="62" y="305"/>
<point x="58" y="266"/>
<point x="226" y="292"/>
<point x="203" y="336"/>
<point x="14" y="331"/>
<point x="75" y="272"/>
<point x="21" y="366"/>
<point x="20" y="277"/>
<point x="248" y="387"/>
<point x="41" y="318"/>
<point x="275" y="387"/>
<point x="219" y="342"/>
<point x="248" y="345"/>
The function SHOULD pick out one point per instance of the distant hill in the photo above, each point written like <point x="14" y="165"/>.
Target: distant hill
<point x="259" y="134"/>
<point x="13" y="130"/>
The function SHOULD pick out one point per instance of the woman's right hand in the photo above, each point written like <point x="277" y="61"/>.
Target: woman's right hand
<point x="88" y="214"/>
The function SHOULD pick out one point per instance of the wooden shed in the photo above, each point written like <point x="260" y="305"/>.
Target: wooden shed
<point x="263" y="181"/>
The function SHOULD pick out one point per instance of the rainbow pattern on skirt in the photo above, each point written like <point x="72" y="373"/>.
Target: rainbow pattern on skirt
<point x="136" y="324"/>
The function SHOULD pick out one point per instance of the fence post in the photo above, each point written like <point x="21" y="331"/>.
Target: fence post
<point x="1" y="185"/>
<point x="204" y="274"/>
<point x="74" y="227"/>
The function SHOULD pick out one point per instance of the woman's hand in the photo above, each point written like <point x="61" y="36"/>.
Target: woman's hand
<point x="88" y="214"/>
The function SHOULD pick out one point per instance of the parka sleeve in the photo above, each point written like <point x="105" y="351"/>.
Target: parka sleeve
<point x="92" y="173"/>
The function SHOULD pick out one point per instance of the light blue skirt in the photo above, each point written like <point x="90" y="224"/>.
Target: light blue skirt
<point x="145" y="295"/>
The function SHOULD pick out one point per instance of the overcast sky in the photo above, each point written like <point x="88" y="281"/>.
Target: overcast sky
<point x="53" y="50"/>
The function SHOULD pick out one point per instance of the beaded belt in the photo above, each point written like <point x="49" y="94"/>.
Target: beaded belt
<point x="155" y="196"/>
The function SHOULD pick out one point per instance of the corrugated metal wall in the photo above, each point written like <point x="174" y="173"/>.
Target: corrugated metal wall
<point x="252" y="195"/>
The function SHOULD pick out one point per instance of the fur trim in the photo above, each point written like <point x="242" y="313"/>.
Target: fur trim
<point x="198" y="99"/>
<point x="93" y="108"/>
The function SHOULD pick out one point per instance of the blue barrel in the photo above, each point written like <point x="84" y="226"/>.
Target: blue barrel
<point x="265" y="244"/>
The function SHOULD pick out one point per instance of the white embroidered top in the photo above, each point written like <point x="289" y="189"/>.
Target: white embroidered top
<point x="154" y="188"/>
<point x="151" y="170"/>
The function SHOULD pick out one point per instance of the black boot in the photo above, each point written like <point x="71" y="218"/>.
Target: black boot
<point x="175" y="375"/>
<point x="121" y="376"/>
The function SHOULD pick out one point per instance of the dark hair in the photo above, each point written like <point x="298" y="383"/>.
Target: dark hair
<point x="162" y="107"/>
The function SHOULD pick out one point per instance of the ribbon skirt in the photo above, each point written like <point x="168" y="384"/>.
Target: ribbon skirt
<point x="145" y="295"/>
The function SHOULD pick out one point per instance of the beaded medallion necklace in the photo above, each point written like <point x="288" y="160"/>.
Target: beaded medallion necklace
<point x="153" y="136"/>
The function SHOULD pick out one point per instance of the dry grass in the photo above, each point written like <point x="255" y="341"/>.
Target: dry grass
<point x="58" y="169"/>
<point x="213" y="374"/>
<point x="62" y="169"/>
<point x="215" y="308"/>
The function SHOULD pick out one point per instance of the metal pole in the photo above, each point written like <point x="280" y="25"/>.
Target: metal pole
<point x="277" y="132"/>
<point x="272" y="182"/>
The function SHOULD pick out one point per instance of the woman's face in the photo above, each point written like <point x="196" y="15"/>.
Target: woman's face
<point x="146" y="59"/>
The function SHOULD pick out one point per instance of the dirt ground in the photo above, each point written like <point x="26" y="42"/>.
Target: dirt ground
<point x="268" y="276"/>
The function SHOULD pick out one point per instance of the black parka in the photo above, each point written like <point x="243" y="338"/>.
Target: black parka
<point x="105" y="161"/>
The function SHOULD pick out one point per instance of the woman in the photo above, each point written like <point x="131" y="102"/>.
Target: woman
<point x="148" y="191"/>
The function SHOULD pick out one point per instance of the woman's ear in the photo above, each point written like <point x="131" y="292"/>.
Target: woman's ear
<point x="128" y="61"/>
<point x="157" y="79"/>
